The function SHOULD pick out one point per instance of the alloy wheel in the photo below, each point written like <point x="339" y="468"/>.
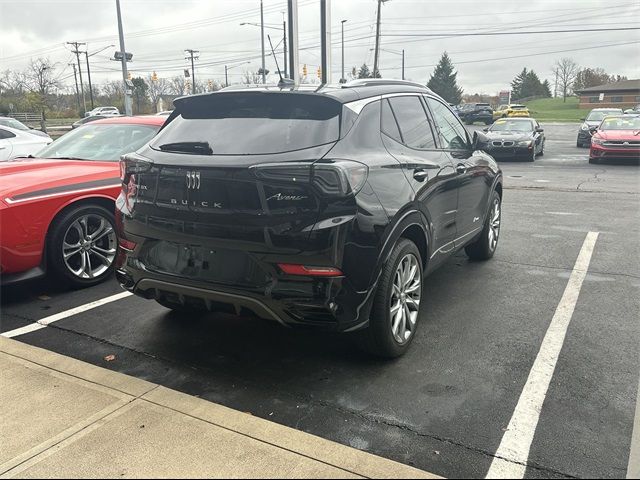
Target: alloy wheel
<point x="89" y="246"/>
<point x="494" y="225"/>
<point x="405" y="298"/>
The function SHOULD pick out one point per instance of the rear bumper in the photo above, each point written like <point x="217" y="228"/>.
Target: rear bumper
<point x="326" y="304"/>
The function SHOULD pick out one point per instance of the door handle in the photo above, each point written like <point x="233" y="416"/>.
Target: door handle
<point x="420" y="175"/>
<point x="461" y="168"/>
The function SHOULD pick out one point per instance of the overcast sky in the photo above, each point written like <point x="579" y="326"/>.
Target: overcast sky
<point x="158" y="31"/>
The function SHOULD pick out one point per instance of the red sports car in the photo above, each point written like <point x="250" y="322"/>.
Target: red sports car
<point x="616" y="138"/>
<point x="57" y="210"/>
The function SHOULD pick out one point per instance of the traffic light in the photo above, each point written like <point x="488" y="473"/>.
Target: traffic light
<point x="154" y="76"/>
<point x="129" y="75"/>
<point x="210" y="84"/>
<point x="304" y="70"/>
<point x="319" y="72"/>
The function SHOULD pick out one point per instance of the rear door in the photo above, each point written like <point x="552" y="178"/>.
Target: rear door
<point x="409" y="137"/>
<point x="473" y="174"/>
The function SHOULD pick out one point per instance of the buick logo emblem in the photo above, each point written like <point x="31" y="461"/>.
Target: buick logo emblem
<point x="193" y="180"/>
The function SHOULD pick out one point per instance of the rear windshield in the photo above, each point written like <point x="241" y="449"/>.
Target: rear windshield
<point x="598" y="115"/>
<point x="247" y="123"/>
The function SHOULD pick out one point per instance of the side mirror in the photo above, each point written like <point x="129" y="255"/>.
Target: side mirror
<point x="583" y="119"/>
<point x="539" y="129"/>
<point x="485" y="129"/>
<point x="480" y="141"/>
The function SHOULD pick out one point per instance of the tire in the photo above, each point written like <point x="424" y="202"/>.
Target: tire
<point x="380" y="338"/>
<point x="541" y="153"/>
<point x="579" y="145"/>
<point x="532" y="158"/>
<point x="484" y="247"/>
<point x="82" y="245"/>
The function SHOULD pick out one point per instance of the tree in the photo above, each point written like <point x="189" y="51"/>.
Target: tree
<point x="140" y="89"/>
<point x="443" y="81"/>
<point x="41" y="81"/>
<point x="251" y="78"/>
<point x="516" y="84"/>
<point x="546" y="88"/>
<point x="364" y="71"/>
<point x="527" y="84"/>
<point x="177" y="85"/>
<point x="594" y="77"/>
<point x="566" y="71"/>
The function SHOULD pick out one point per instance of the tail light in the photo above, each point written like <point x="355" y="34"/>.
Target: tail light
<point x="310" y="271"/>
<point x="131" y="166"/>
<point x="331" y="178"/>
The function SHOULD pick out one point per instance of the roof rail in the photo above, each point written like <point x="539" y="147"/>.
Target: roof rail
<point x="371" y="82"/>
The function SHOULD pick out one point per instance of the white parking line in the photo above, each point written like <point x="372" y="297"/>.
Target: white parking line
<point x="511" y="457"/>
<point x="42" y="323"/>
<point x="633" y="471"/>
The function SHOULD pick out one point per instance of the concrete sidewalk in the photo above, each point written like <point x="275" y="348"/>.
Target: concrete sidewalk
<point x="63" y="418"/>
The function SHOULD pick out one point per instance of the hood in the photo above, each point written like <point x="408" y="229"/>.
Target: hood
<point x="618" y="135"/>
<point x="509" y="135"/>
<point x="30" y="174"/>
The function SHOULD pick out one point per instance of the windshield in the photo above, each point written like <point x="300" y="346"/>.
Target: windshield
<point x="100" y="142"/>
<point x="518" y="107"/>
<point x="12" y="123"/>
<point x="600" y="114"/>
<point x="511" y="126"/>
<point x="252" y="123"/>
<point x="620" y="123"/>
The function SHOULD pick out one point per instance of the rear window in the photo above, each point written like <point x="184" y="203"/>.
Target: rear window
<point x="249" y="123"/>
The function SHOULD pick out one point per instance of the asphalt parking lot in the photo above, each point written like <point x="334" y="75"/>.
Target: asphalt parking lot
<point x="446" y="406"/>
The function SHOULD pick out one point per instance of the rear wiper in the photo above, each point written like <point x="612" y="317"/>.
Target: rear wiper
<point x="201" y="148"/>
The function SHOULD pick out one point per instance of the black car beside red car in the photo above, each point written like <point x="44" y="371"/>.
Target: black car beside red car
<point x="320" y="208"/>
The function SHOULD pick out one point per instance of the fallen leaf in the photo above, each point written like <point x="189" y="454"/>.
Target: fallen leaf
<point x="44" y="297"/>
<point x="437" y="452"/>
<point x="110" y="358"/>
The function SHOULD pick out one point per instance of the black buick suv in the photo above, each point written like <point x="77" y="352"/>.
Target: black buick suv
<point x="321" y="208"/>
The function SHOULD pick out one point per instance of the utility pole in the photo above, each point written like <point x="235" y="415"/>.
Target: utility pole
<point x="377" y="51"/>
<point x="226" y="77"/>
<point x="264" y="76"/>
<point x="403" y="63"/>
<point x="294" y="59"/>
<point x="555" y="88"/>
<point x="325" y="41"/>
<point x="78" y="52"/>
<point x="193" y="56"/>
<point x="127" y="90"/>
<point x="89" y="76"/>
<point x="75" y="77"/>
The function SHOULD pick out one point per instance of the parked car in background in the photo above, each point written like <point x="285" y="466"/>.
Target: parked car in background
<point x="594" y="119"/>
<point x="476" y="112"/>
<point x="104" y="111"/>
<point x="165" y="113"/>
<point x="85" y="120"/>
<point x="515" y="139"/>
<point x="323" y="208"/>
<point x="17" y="125"/>
<point x="20" y="143"/>
<point x="635" y="109"/>
<point x="511" y="110"/>
<point x="617" y="137"/>
<point x="56" y="211"/>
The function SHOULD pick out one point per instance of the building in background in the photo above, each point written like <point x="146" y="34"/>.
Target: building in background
<point x="624" y="94"/>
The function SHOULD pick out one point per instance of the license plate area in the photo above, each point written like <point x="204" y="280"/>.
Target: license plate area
<point x="229" y="267"/>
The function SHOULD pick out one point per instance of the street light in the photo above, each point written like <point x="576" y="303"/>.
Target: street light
<point x="284" y="38"/>
<point x="395" y="52"/>
<point x="226" y="78"/>
<point x="87" y="54"/>
<point x="342" y="79"/>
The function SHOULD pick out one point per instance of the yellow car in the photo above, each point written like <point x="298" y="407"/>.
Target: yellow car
<point x="512" y="110"/>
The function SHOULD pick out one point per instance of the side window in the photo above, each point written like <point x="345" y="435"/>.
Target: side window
<point x="452" y="133"/>
<point x="388" y="124"/>
<point x="6" y="134"/>
<point x="414" y="124"/>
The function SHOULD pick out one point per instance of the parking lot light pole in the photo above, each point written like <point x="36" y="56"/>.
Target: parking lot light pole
<point x="127" y="91"/>
<point x="264" y="75"/>
<point x="342" y="78"/>
<point x="226" y="69"/>
<point x="89" y="70"/>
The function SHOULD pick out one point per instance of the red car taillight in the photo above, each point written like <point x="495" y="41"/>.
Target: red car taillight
<point x="309" y="271"/>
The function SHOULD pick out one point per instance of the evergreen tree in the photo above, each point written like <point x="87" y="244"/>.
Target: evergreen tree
<point x="546" y="89"/>
<point x="516" y="84"/>
<point x="364" y="71"/>
<point x="443" y="81"/>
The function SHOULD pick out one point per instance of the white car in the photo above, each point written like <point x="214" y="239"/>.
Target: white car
<point x="103" y="111"/>
<point x="19" y="143"/>
<point x="13" y="123"/>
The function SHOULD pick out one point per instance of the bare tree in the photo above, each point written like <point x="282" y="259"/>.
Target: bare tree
<point x="12" y="82"/>
<point x="251" y="78"/>
<point x="41" y="81"/>
<point x="177" y="85"/>
<point x="566" y="71"/>
<point x="157" y="88"/>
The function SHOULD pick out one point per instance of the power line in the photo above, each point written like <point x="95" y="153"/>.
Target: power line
<point x="535" y="32"/>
